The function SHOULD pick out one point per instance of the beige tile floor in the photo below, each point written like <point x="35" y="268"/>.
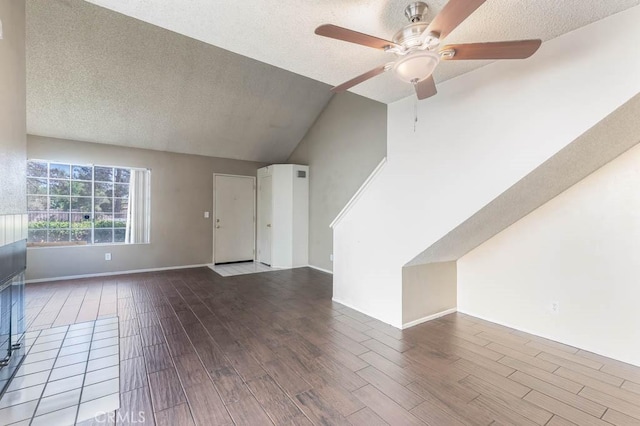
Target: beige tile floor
<point x="70" y="374"/>
<point x="243" y="268"/>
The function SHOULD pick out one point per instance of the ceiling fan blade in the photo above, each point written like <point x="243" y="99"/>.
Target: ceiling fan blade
<point x="359" y="79"/>
<point x="497" y="50"/>
<point x="426" y="88"/>
<point x="452" y="15"/>
<point x="344" y="34"/>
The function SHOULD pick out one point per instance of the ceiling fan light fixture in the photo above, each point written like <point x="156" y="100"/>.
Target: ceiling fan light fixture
<point x="416" y="66"/>
<point x="417" y="46"/>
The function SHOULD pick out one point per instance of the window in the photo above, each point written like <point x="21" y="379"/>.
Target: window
<point x="71" y="204"/>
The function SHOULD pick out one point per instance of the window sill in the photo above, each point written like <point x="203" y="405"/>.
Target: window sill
<point x="60" y="244"/>
<point x="31" y="246"/>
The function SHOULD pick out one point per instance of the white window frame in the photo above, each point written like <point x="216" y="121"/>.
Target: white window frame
<point x="93" y="197"/>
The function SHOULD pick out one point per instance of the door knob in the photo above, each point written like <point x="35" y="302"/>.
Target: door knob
<point x="268" y="225"/>
<point x="217" y="226"/>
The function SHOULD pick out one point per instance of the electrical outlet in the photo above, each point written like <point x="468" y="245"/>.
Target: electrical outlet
<point x="331" y="257"/>
<point x="206" y="215"/>
<point x="107" y="256"/>
<point x="555" y="308"/>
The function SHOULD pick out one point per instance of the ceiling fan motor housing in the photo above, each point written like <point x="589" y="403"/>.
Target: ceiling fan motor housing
<point x="416" y="12"/>
<point x="413" y="35"/>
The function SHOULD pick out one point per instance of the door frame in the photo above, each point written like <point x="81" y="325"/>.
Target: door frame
<point x="213" y="212"/>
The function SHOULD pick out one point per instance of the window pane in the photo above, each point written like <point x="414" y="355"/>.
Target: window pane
<point x="36" y="169"/>
<point x="79" y="204"/>
<point x="122" y="175"/>
<point x="119" y="235"/>
<point x="81" y="188"/>
<point x="104" y="205"/>
<point x="59" y="203"/>
<point x="35" y="203"/>
<point x="58" y="220"/>
<point x="103" y="189"/>
<point x="59" y="170"/>
<point x="120" y="205"/>
<point x="121" y="191"/>
<point x="104" y="174"/>
<point x="82" y="172"/>
<point x="81" y="235"/>
<point x="103" y="236"/>
<point x="59" y="235"/>
<point x="80" y="221"/>
<point x="59" y="187"/>
<point x="38" y="221"/>
<point x="36" y="186"/>
<point x="120" y="220"/>
<point x="38" y="236"/>
<point x="104" y="221"/>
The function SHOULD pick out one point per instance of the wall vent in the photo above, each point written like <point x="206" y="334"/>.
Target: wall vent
<point x="302" y="174"/>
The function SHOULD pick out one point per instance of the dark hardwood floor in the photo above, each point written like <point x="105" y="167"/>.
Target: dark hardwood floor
<point x="197" y="348"/>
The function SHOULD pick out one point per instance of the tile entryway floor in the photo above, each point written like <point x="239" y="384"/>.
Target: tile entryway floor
<point x="241" y="268"/>
<point x="70" y="374"/>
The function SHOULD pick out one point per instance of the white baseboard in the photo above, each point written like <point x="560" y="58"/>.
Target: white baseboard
<point x="109" y="274"/>
<point x="403" y="326"/>
<point x="320" y="269"/>
<point x="429" y="318"/>
<point x="364" y="312"/>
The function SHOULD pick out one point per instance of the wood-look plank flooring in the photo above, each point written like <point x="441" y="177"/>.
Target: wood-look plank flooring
<point x="198" y="348"/>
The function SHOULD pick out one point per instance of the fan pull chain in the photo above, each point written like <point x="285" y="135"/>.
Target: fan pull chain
<point x="415" y="115"/>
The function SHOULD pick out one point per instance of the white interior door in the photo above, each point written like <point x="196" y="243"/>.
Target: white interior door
<point x="266" y="215"/>
<point x="234" y="225"/>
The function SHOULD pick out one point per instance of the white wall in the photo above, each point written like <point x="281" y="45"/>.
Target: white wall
<point x="482" y="133"/>
<point x="581" y="250"/>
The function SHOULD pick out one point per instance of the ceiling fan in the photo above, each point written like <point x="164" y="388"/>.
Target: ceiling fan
<point x="417" y="46"/>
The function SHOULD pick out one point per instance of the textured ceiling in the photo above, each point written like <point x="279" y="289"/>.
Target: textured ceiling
<point x="99" y="76"/>
<point x="280" y="32"/>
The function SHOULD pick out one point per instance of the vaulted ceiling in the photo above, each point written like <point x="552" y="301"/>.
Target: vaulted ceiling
<point x="242" y="80"/>
<point x="98" y="76"/>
